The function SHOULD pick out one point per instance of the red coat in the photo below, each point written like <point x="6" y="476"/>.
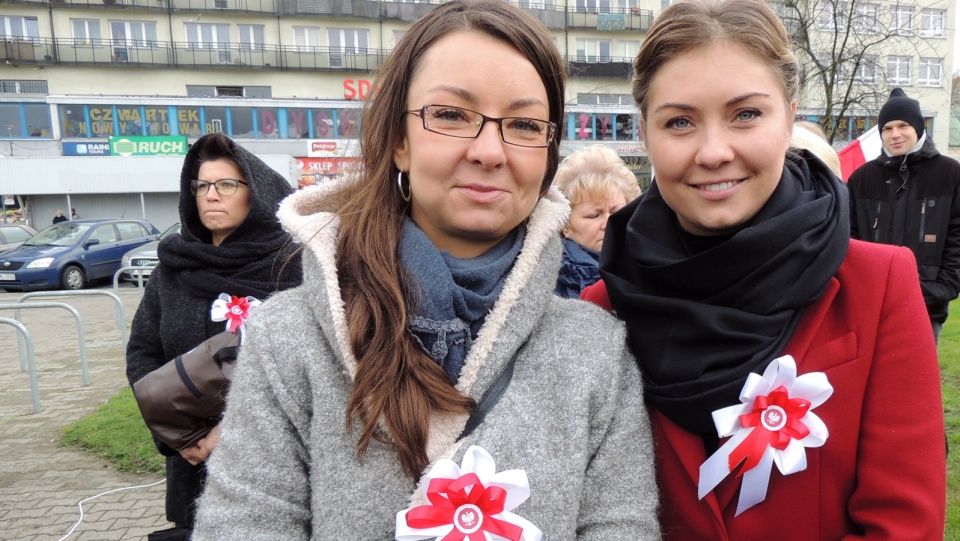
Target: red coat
<point x="882" y="472"/>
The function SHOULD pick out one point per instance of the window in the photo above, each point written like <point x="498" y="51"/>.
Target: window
<point x="346" y="40"/>
<point x="833" y="18"/>
<point x="898" y="70"/>
<point x="865" y="18"/>
<point x="86" y="32"/>
<point x="397" y="36"/>
<point x="866" y="72"/>
<point x="104" y="233"/>
<point x="931" y="71"/>
<point x="593" y="6"/>
<point x="306" y="37"/>
<point x="134" y="33"/>
<point x="131" y="230"/>
<point x="210" y="36"/>
<point x="19" y="27"/>
<point x="593" y="50"/>
<point x="630" y="49"/>
<point x="23" y="87"/>
<point x="251" y="37"/>
<point x="901" y="20"/>
<point x="931" y="23"/>
<point x="16" y="234"/>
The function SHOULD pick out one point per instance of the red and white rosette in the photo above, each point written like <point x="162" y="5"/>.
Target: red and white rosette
<point x="234" y="310"/>
<point x="470" y="502"/>
<point x="773" y="425"/>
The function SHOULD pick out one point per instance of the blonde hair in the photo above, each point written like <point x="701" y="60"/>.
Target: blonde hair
<point x="589" y="174"/>
<point x="804" y="138"/>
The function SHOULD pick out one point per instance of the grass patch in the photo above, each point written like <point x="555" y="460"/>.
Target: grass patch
<point x="949" y="350"/>
<point x="116" y="431"/>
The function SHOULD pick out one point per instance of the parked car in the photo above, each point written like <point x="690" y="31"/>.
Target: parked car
<point x="13" y="235"/>
<point x="145" y="256"/>
<point x="70" y="254"/>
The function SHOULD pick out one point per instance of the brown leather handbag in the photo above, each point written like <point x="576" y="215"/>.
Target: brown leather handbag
<point x="182" y="400"/>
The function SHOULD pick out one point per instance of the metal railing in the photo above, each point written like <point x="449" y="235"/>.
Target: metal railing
<point x="141" y="281"/>
<point x="121" y="317"/>
<point x="31" y="361"/>
<point x="81" y="335"/>
<point x="120" y="52"/>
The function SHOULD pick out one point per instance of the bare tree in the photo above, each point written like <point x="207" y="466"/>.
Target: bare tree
<point x="852" y="52"/>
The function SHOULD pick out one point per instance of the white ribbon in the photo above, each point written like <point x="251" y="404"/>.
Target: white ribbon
<point x="780" y="372"/>
<point x="478" y="461"/>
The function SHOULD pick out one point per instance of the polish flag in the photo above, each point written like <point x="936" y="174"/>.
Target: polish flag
<point x="859" y="152"/>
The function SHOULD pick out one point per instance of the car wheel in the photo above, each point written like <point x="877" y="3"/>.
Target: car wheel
<point x="72" y="278"/>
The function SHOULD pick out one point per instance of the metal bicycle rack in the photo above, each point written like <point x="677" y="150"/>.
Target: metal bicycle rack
<point x="121" y="317"/>
<point x="81" y="336"/>
<point x="31" y="362"/>
<point x="141" y="282"/>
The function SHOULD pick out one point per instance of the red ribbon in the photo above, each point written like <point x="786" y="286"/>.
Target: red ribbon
<point x="448" y="495"/>
<point x="237" y="318"/>
<point x="752" y="448"/>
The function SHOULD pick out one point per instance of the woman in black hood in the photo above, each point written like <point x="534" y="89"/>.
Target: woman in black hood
<point x="230" y="242"/>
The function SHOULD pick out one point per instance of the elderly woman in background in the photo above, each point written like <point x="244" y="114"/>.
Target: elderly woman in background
<point x="230" y="242"/>
<point x="597" y="183"/>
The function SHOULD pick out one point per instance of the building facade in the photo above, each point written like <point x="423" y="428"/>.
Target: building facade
<point x="280" y="77"/>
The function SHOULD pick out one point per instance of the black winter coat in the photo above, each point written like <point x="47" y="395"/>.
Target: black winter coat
<point x="174" y="314"/>
<point x="914" y="201"/>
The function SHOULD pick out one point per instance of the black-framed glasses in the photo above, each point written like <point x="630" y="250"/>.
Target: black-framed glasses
<point x="224" y="186"/>
<point x="466" y="124"/>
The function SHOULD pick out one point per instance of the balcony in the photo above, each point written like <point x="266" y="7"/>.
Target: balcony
<point x="600" y="66"/>
<point x="396" y="10"/>
<point x="233" y="6"/>
<point x="165" y="54"/>
<point x="610" y="19"/>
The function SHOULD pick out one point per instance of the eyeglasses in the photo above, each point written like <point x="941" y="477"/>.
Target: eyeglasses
<point x="224" y="186"/>
<point x="466" y="124"/>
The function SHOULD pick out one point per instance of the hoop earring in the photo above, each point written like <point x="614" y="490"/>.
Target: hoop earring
<point x="405" y="196"/>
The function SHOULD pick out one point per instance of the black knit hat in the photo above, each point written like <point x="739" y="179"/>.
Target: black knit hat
<point x="900" y="107"/>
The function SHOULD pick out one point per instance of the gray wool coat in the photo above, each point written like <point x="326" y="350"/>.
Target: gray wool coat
<point x="573" y="416"/>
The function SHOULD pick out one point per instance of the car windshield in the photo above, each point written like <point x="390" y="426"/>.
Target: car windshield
<point x="171" y="231"/>
<point x="62" y="234"/>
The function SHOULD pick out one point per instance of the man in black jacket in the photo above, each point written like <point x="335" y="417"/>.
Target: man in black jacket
<point x="910" y="196"/>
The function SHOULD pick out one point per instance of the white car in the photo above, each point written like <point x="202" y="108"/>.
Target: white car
<point x="144" y="256"/>
<point x="13" y="235"/>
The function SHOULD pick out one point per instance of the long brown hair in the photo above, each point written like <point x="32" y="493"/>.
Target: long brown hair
<point x="695" y="24"/>
<point x="396" y="383"/>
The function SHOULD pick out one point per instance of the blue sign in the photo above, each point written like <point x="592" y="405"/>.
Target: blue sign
<point x="86" y="149"/>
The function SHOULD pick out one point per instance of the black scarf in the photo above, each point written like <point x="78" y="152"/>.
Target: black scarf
<point x="699" y="321"/>
<point x="250" y="259"/>
<point x="242" y="267"/>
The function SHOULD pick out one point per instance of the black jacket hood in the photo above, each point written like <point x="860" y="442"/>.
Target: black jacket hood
<point x="267" y="189"/>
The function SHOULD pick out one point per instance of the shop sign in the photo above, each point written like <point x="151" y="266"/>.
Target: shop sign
<point x="86" y="149"/>
<point x="148" y="145"/>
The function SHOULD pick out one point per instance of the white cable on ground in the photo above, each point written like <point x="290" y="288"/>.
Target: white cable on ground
<point x="81" y="502"/>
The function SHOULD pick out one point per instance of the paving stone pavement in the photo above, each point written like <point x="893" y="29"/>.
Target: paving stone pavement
<point x="41" y="483"/>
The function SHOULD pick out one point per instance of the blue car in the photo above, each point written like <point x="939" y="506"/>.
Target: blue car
<point x="69" y="254"/>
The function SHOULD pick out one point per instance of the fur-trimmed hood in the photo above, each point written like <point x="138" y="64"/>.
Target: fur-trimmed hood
<point x="310" y="216"/>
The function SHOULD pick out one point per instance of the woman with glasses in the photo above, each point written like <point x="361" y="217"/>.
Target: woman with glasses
<point x="426" y="328"/>
<point x="230" y="242"/>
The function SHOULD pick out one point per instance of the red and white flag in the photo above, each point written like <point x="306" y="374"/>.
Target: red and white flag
<point x="859" y="152"/>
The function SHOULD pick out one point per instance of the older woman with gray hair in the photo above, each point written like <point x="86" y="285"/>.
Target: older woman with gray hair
<point x="597" y="183"/>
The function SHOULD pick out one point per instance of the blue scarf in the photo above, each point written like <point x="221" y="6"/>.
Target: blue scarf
<point x="455" y="294"/>
<point x="580" y="268"/>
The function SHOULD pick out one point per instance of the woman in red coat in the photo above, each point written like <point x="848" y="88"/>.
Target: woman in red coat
<point x="790" y="372"/>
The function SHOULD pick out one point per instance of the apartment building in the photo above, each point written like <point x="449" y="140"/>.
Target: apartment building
<point x="288" y="77"/>
<point x="856" y="51"/>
